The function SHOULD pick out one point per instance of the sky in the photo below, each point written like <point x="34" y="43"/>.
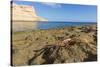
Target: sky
<point x="63" y="12"/>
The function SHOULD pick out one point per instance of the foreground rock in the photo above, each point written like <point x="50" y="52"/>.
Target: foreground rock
<point x="45" y="46"/>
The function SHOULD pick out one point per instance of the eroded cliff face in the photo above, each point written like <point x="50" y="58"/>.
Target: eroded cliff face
<point x="25" y="13"/>
<point x="24" y="17"/>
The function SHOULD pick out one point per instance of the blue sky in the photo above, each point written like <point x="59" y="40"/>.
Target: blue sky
<point x="63" y="12"/>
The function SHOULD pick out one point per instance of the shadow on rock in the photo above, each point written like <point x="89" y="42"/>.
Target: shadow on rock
<point x="49" y="54"/>
<point x="90" y="57"/>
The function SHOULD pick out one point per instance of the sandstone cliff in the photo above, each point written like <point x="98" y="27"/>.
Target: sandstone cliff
<point x="24" y="18"/>
<point x="25" y="13"/>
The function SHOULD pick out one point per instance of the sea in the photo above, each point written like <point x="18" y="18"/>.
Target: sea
<point x="50" y="25"/>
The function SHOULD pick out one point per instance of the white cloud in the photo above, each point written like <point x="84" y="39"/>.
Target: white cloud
<point x="54" y="5"/>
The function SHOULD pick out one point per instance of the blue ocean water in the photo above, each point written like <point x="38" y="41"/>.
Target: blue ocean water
<point x="49" y="25"/>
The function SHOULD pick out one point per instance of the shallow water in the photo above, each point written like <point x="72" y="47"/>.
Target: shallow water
<point x="23" y="26"/>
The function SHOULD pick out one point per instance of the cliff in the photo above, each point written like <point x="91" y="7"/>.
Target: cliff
<point x="23" y="17"/>
<point x="25" y="13"/>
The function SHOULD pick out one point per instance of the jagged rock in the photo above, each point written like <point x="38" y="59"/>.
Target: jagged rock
<point x="81" y="48"/>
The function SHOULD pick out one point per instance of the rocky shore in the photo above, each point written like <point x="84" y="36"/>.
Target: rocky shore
<point x="38" y="47"/>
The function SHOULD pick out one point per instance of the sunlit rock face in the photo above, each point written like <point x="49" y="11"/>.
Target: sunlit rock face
<point x="24" y="17"/>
